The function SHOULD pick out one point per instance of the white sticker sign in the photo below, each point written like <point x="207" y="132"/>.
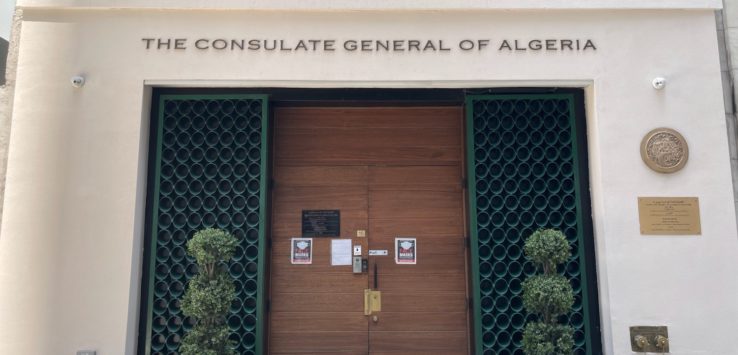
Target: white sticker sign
<point x="374" y="252"/>
<point x="302" y="251"/>
<point x="406" y="251"/>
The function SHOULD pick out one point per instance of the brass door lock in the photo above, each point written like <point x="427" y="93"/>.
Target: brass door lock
<point x="649" y="339"/>
<point x="372" y="302"/>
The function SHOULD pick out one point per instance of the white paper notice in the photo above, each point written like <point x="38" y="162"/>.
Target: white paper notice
<point x="340" y="252"/>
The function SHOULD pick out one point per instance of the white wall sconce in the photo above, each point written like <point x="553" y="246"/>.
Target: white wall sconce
<point x="658" y="83"/>
<point x="78" y="81"/>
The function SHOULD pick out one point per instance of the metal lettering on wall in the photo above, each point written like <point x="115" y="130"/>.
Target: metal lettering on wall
<point x="669" y="215"/>
<point x="432" y="45"/>
<point x="321" y="223"/>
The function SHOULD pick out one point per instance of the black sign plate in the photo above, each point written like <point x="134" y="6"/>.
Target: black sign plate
<point x="321" y="223"/>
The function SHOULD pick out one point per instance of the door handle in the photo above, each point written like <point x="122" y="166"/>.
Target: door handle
<point x="373" y="298"/>
<point x="376" y="276"/>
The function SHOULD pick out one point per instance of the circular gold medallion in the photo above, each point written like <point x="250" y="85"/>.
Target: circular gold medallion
<point x="664" y="150"/>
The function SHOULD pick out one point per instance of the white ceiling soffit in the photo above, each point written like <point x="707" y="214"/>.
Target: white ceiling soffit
<point x="349" y="5"/>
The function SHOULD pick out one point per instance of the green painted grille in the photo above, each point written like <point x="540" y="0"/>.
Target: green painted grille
<point x="524" y="175"/>
<point x="210" y="171"/>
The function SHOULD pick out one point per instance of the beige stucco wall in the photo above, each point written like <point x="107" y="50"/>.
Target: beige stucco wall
<point x="70" y="240"/>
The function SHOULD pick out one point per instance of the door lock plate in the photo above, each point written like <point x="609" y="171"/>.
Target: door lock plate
<point x="372" y="301"/>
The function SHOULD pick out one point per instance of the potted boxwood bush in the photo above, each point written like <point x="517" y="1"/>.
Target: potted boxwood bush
<point x="209" y="294"/>
<point x="548" y="295"/>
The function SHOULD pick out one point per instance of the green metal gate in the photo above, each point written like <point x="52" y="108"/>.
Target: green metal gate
<point x="208" y="169"/>
<point x="525" y="173"/>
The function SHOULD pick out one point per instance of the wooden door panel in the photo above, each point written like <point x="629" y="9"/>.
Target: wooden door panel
<point x="362" y="117"/>
<point x="376" y="136"/>
<point x="417" y="341"/>
<point x="415" y="204"/>
<point x="321" y="248"/>
<point x="320" y="265"/>
<point x="368" y="138"/>
<point x="391" y="172"/>
<point x="316" y="308"/>
<point x="336" y="281"/>
<point x="424" y="306"/>
<point x="358" y="155"/>
<point x="404" y="178"/>
<point x="296" y="302"/>
<point x="427" y="264"/>
<point x="427" y="245"/>
<point x="318" y="342"/>
<point x="292" y="199"/>
<point x="327" y="176"/>
<point x="446" y="302"/>
<point x="419" y="321"/>
<point x="426" y="227"/>
<point x="406" y="282"/>
<point x="324" y="320"/>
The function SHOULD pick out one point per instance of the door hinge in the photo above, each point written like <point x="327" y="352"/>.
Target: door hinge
<point x="464" y="183"/>
<point x="269" y="242"/>
<point x="469" y="303"/>
<point x="268" y="305"/>
<point x="271" y="184"/>
<point x="467" y="242"/>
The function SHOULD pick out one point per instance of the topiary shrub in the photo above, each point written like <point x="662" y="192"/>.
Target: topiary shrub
<point x="547" y="295"/>
<point x="209" y="294"/>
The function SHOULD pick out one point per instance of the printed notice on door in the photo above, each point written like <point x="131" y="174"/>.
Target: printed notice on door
<point x="302" y="251"/>
<point x="669" y="215"/>
<point x="340" y="252"/>
<point x="406" y="251"/>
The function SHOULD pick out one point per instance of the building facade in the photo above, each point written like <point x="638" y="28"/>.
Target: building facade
<point x="426" y="138"/>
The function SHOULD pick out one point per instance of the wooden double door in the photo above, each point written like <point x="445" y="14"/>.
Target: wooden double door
<point x="391" y="172"/>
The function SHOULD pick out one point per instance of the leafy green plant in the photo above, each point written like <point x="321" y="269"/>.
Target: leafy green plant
<point x="547" y="295"/>
<point x="209" y="294"/>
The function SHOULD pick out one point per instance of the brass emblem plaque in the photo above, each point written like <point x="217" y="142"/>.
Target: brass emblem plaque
<point x="664" y="150"/>
<point x="669" y="215"/>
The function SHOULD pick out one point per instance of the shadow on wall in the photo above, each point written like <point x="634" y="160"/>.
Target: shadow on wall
<point x="3" y="59"/>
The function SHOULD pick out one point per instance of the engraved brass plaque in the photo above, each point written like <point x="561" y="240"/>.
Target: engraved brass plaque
<point x="669" y="215"/>
<point x="361" y="233"/>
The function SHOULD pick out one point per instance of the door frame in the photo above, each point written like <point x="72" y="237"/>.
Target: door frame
<point x="348" y="97"/>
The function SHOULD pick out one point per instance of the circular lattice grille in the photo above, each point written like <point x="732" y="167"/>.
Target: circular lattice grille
<point x="209" y="175"/>
<point x="525" y="179"/>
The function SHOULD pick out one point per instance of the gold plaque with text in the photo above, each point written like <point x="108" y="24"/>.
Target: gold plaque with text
<point x="669" y="215"/>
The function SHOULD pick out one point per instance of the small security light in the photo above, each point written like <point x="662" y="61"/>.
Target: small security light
<point x="658" y="83"/>
<point x="78" y="81"/>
